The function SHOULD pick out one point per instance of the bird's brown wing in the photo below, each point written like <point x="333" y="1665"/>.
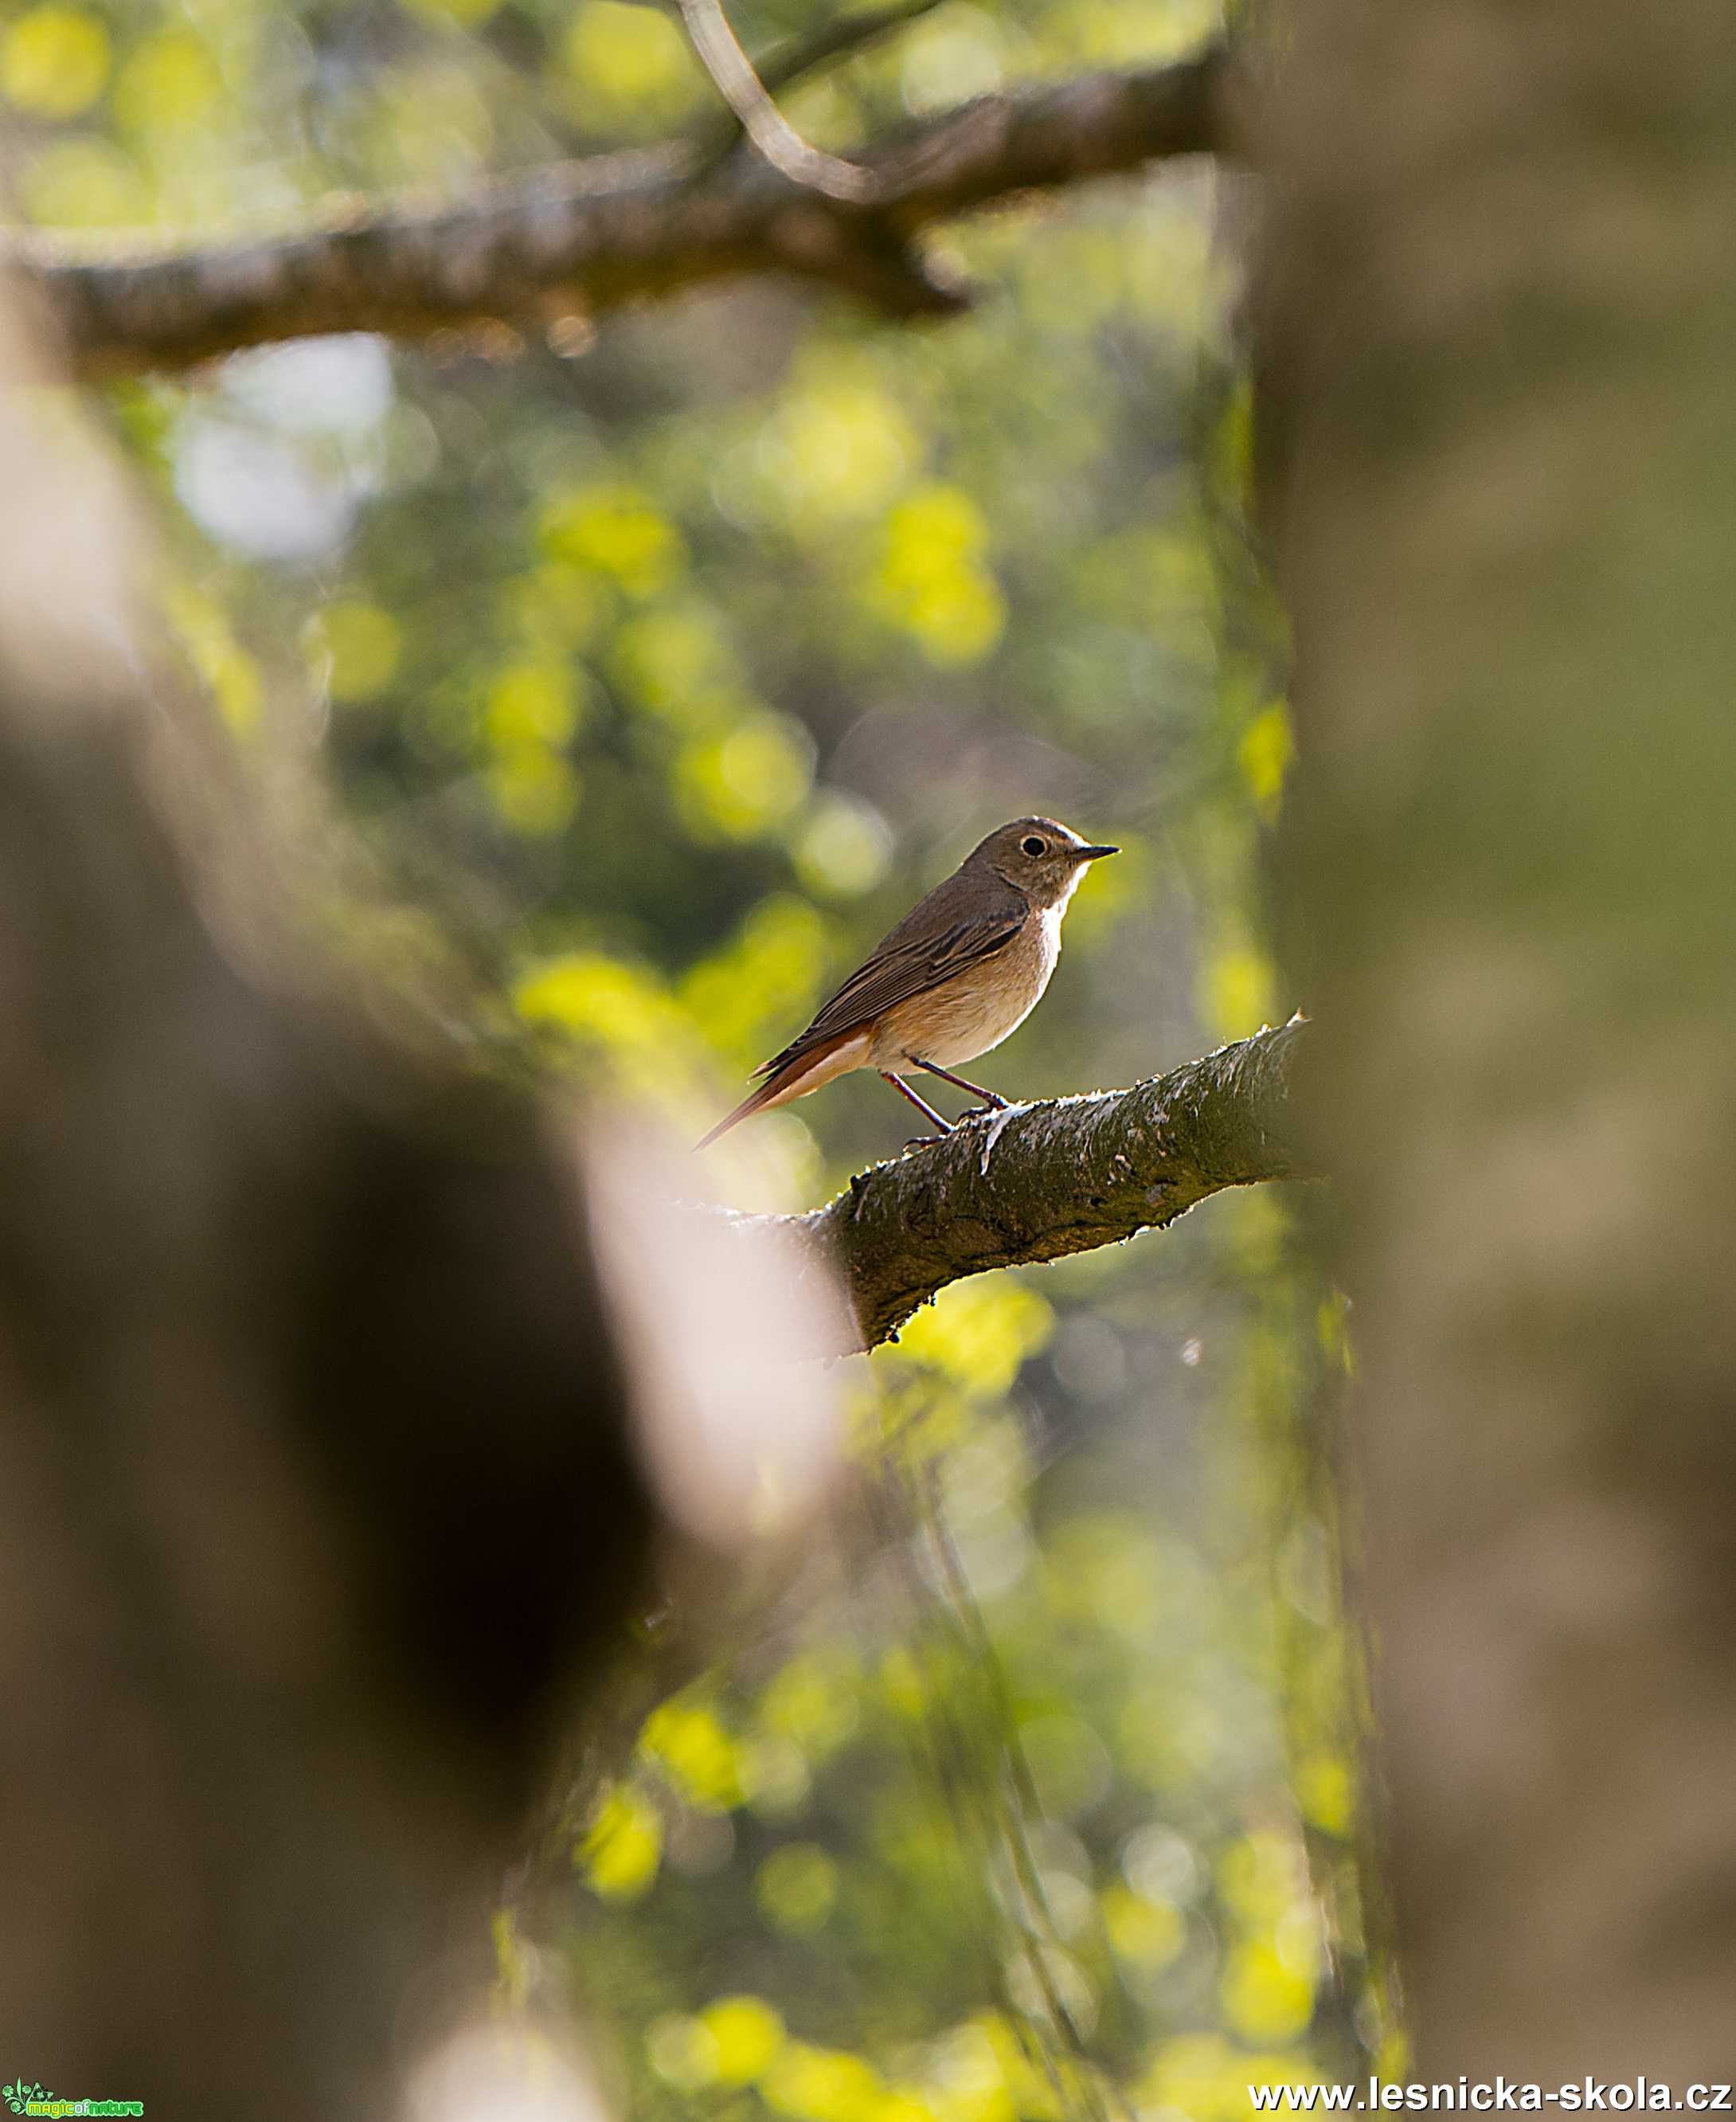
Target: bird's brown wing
<point x="955" y="927"/>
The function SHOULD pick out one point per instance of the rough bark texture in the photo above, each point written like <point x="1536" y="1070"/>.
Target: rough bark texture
<point x="1040" y="1181"/>
<point x="1501" y="332"/>
<point x="582" y="238"/>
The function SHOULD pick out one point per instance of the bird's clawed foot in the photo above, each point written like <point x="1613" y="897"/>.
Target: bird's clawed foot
<point x="928" y="1141"/>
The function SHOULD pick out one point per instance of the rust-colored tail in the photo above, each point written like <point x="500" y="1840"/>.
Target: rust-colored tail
<point x="785" y="1072"/>
<point x="755" y="1101"/>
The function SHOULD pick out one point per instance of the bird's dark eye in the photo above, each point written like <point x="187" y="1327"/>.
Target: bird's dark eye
<point x="1033" y="846"/>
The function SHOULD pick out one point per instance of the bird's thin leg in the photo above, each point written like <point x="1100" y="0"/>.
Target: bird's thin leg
<point x="991" y="1098"/>
<point x="921" y="1106"/>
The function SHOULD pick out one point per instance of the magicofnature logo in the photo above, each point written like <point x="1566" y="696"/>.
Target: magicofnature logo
<point x="26" y="2097"/>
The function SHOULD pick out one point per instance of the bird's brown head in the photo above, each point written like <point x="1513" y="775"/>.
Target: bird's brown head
<point x="1042" y="857"/>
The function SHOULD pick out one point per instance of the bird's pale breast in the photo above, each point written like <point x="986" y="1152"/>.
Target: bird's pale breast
<point x="976" y="1009"/>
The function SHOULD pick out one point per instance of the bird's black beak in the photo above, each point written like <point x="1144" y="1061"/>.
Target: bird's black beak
<point x="1090" y="854"/>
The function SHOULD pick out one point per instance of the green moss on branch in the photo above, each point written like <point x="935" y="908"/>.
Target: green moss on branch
<point x="1040" y="1181"/>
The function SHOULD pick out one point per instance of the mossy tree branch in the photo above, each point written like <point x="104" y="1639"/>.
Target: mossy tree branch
<point x="1063" y="1175"/>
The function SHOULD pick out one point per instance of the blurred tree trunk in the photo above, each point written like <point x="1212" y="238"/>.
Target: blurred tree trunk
<point x="318" y="1501"/>
<point x="1499" y="322"/>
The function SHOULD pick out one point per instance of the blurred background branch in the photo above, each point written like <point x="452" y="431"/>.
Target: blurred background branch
<point x="719" y="51"/>
<point x="800" y="59"/>
<point x="588" y="236"/>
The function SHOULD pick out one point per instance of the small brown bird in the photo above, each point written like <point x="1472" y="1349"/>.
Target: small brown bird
<point x="964" y="969"/>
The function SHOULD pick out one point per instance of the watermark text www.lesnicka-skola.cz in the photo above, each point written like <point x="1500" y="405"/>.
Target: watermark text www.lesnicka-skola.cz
<point x="1586" y="2096"/>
